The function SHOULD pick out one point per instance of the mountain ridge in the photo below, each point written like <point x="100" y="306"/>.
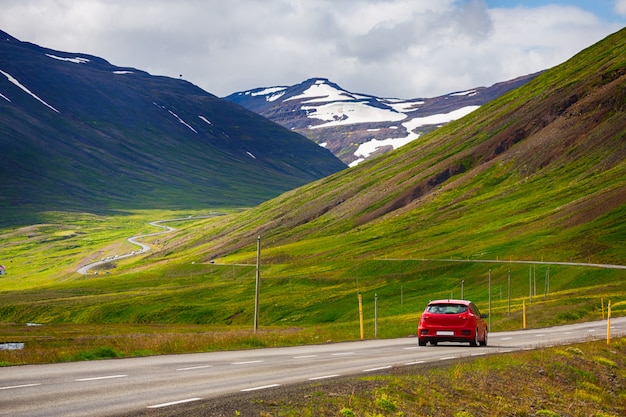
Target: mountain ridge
<point x="73" y="126"/>
<point x="356" y="126"/>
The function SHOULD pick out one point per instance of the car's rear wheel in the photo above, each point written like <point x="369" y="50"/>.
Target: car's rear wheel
<point x="484" y="342"/>
<point x="474" y="342"/>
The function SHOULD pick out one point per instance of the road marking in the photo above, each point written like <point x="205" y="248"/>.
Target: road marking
<point x="323" y="377"/>
<point x="412" y="347"/>
<point x="100" y="377"/>
<point x="188" y="400"/>
<point x="540" y="335"/>
<point x="305" y="357"/>
<point x="195" y="367"/>
<point x="414" y="363"/>
<point x="261" y="387"/>
<point x="377" y="369"/>
<point x="506" y="338"/>
<point x="343" y="353"/>
<point x="245" y="362"/>
<point x="478" y="354"/>
<point x="445" y="358"/>
<point x="20" y="386"/>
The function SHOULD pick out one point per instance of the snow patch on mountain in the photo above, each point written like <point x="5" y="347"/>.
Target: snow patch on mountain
<point x="438" y="119"/>
<point x="182" y="121"/>
<point x="346" y="113"/>
<point x="367" y="149"/>
<point x="357" y="126"/>
<point x="321" y="92"/>
<point x="26" y="90"/>
<point x="205" y="120"/>
<point x="75" y="60"/>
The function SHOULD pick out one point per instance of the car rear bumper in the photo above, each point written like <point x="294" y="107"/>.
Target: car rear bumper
<point x="447" y="335"/>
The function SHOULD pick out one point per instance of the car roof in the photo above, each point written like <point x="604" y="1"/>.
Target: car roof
<point x="450" y="301"/>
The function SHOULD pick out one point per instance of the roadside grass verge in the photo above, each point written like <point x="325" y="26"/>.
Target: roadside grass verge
<point x="586" y="379"/>
<point x="74" y="342"/>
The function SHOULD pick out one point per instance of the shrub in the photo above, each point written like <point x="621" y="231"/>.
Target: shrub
<point x="99" y="353"/>
<point x="347" y="412"/>
<point x="385" y="403"/>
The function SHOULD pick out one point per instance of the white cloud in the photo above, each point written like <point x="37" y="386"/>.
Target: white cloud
<point x="402" y="48"/>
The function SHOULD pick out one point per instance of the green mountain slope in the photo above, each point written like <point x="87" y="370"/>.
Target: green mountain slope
<point x="77" y="133"/>
<point x="539" y="173"/>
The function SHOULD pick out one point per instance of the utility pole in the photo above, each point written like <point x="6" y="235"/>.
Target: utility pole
<point x="258" y="284"/>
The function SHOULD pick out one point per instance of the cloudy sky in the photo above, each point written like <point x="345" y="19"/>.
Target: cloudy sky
<point x="388" y="48"/>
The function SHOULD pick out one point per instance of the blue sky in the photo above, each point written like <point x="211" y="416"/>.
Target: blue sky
<point x="389" y="48"/>
<point x="605" y="9"/>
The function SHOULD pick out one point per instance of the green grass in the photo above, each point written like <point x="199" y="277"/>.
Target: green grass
<point x="156" y="303"/>
<point x="548" y="382"/>
<point x="407" y="227"/>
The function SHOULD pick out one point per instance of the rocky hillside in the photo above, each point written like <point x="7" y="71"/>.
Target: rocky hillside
<point x="539" y="172"/>
<point x="358" y="126"/>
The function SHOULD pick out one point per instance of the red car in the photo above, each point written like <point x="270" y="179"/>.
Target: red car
<point x="452" y="321"/>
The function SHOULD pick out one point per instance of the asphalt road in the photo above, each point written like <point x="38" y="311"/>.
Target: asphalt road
<point x="101" y="388"/>
<point x="143" y="247"/>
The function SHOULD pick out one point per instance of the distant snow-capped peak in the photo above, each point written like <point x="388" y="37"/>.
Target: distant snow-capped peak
<point x="356" y="126"/>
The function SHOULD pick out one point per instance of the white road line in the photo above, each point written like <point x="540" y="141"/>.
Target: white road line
<point x="343" y="353"/>
<point x="188" y="400"/>
<point x="191" y="368"/>
<point x="414" y="363"/>
<point x="245" y="362"/>
<point x="411" y="347"/>
<point x="478" y="354"/>
<point x="540" y="335"/>
<point x="261" y="387"/>
<point x="445" y="358"/>
<point x="506" y="338"/>
<point x="323" y="377"/>
<point x="100" y="377"/>
<point x="20" y="386"/>
<point x="305" y="357"/>
<point x="377" y="369"/>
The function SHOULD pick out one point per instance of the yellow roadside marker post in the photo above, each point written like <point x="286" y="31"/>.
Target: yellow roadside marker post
<point x="361" y="315"/>
<point x="608" y="324"/>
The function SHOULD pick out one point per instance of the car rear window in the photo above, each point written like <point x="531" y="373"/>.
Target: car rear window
<point x="446" y="308"/>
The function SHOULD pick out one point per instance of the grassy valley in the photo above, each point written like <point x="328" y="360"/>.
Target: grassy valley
<point x="529" y="181"/>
